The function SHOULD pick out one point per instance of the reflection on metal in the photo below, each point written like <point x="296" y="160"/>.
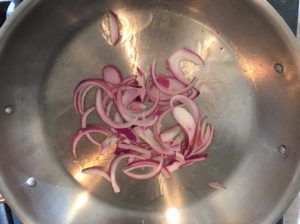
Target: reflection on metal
<point x="79" y="202"/>
<point x="129" y="37"/>
<point x="172" y="216"/>
<point x="2" y="199"/>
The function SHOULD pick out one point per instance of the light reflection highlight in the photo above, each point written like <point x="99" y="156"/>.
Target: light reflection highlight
<point x="129" y="37"/>
<point x="79" y="202"/>
<point x="172" y="216"/>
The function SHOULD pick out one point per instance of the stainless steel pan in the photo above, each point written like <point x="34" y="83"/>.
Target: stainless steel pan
<point x="250" y="91"/>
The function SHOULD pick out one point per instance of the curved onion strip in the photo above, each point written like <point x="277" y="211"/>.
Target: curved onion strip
<point x="183" y="54"/>
<point x="148" y="137"/>
<point x="128" y="133"/>
<point x="146" y="176"/>
<point x="83" y="125"/>
<point x="157" y="133"/>
<point x="217" y="186"/>
<point x="105" y="118"/>
<point x="190" y="105"/>
<point x="113" y="167"/>
<point x="89" y="84"/>
<point x="98" y="170"/>
<point x="130" y="95"/>
<point x="175" y="166"/>
<point x="135" y="164"/>
<point x="170" y="134"/>
<point x="108" y="144"/>
<point x="186" y="121"/>
<point x="167" y="91"/>
<point x="127" y="115"/>
<point x="136" y="106"/>
<point x="108" y="108"/>
<point x="206" y="141"/>
<point x="141" y="80"/>
<point x="85" y="131"/>
<point x="112" y="74"/>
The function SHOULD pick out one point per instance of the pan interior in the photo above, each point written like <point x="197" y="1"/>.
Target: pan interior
<point x="153" y="35"/>
<point x="254" y="108"/>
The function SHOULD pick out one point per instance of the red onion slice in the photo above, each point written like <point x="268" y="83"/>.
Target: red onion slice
<point x="167" y="91"/>
<point x="184" y="54"/>
<point x="137" y="106"/>
<point x="105" y="118"/>
<point x="128" y="133"/>
<point x="190" y="105"/>
<point x="85" y="131"/>
<point x="186" y="121"/>
<point x="147" y="163"/>
<point x="146" y="176"/>
<point x="114" y="28"/>
<point x="108" y="143"/>
<point x="170" y="134"/>
<point x="113" y="168"/>
<point x="89" y="84"/>
<point x="134" y="148"/>
<point x="83" y="125"/>
<point x="112" y="74"/>
<point x="163" y="81"/>
<point x="148" y="137"/>
<point x="98" y="170"/>
<point x="140" y="78"/>
<point x="217" y="186"/>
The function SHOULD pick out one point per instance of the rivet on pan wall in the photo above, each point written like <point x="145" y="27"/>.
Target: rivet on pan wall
<point x="9" y="110"/>
<point x="31" y="182"/>
<point x="278" y="68"/>
<point x="283" y="151"/>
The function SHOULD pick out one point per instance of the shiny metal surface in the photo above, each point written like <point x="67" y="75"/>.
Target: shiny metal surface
<point x="49" y="46"/>
<point x="2" y="200"/>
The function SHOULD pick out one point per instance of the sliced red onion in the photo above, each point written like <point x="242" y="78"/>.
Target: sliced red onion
<point x="137" y="106"/>
<point x="83" y="125"/>
<point x="186" y="121"/>
<point x="140" y="78"/>
<point x="128" y="133"/>
<point x="217" y="186"/>
<point x="105" y="118"/>
<point x="197" y="158"/>
<point x="113" y="168"/>
<point x="114" y="28"/>
<point x="140" y="105"/>
<point x="127" y="115"/>
<point x="85" y="131"/>
<point x="146" y="163"/>
<point x="148" y="137"/>
<point x="146" y="176"/>
<point x="190" y="105"/>
<point x="163" y="81"/>
<point x="108" y="143"/>
<point x="89" y="84"/>
<point x="129" y="95"/>
<point x="98" y="170"/>
<point x="112" y="74"/>
<point x="167" y="91"/>
<point x="170" y="134"/>
<point x="108" y="108"/>
<point x="175" y="166"/>
<point x="183" y="54"/>
<point x="134" y="148"/>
